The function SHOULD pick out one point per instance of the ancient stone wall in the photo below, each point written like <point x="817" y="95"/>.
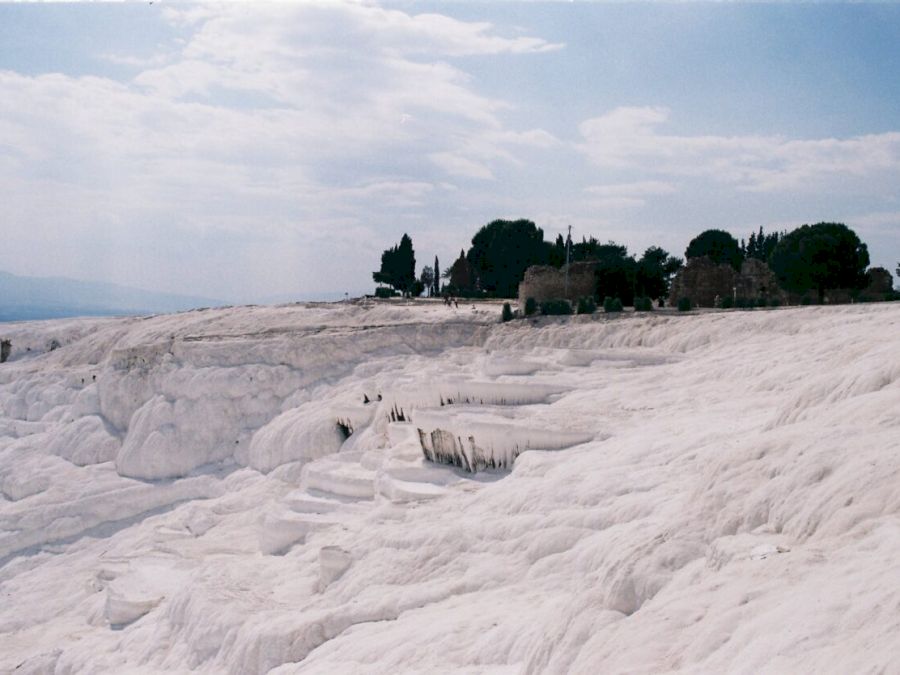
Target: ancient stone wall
<point x="543" y="282"/>
<point x="757" y="280"/>
<point x="703" y="282"/>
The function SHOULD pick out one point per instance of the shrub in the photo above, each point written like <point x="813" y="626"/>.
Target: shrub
<point x="774" y="302"/>
<point x="660" y="303"/>
<point x="684" y="304"/>
<point x="586" y="305"/>
<point x="761" y="302"/>
<point x="556" y="307"/>
<point x="530" y="306"/>
<point x="806" y="300"/>
<point x="727" y="302"/>
<point x="741" y="303"/>
<point x="612" y="304"/>
<point x="643" y="304"/>
<point x="383" y="292"/>
<point x="506" y="314"/>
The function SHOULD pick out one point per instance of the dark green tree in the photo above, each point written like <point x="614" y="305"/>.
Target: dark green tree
<point x="718" y="246"/>
<point x="426" y="278"/>
<point x="501" y="251"/>
<point x="615" y="271"/>
<point x="654" y="272"/>
<point x="556" y="252"/>
<point x="818" y="257"/>
<point x="437" y="278"/>
<point x="615" y="275"/>
<point x="591" y="249"/>
<point x="459" y="276"/>
<point x="760" y="245"/>
<point x="398" y="266"/>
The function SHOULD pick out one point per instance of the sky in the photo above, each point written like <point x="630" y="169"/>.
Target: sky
<point x="273" y="151"/>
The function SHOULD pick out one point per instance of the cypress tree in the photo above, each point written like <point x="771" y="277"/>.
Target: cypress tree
<point x="437" y="278"/>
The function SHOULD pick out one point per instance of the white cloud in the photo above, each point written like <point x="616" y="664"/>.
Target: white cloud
<point x="883" y="223"/>
<point x="458" y="165"/>
<point x="878" y="219"/>
<point x="627" y="195"/>
<point x="369" y="27"/>
<point x="642" y="188"/>
<point x="630" y="138"/>
<point x="268" y="123"/>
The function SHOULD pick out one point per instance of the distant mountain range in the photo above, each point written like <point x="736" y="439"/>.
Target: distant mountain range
<point x="28" y="298"/>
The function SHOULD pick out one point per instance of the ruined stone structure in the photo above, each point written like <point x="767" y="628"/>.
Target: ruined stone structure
<point x="703" y="282"/>
<point x="543" y="282"/>
<point x="757" y="280"/>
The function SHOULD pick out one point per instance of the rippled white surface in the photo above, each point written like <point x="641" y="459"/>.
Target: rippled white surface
<point x="730" y="502"/>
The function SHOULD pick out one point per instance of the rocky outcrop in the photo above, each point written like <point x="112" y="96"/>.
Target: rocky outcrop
<point x="543" y="282"/>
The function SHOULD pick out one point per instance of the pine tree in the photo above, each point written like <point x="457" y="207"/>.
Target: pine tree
<point x="750" y="250"/>
<point x="820" y="257"/>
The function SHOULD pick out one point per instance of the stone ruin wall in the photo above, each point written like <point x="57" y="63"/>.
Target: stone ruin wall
<point x="757" y="280"/>
<point x="703" y="281"/>
<point x="543" y="282"/>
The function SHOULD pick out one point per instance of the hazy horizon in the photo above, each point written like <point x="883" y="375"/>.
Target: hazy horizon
<point x="24" y="298"/>
<point x="246" y="152"/>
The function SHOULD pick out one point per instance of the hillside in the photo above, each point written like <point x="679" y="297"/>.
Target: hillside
<point x="709" y="492"/>
<point x="29" y="298"/>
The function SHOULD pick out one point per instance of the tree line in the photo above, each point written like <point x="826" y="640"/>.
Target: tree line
<point x="809" y="258"/>
<point x="502" y="250"/>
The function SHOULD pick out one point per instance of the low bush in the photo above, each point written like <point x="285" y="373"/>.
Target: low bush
<point x="727" y="302"/>
<point x="556" y="307"/>
<point x="643" y="304"/>
<point x="806" y="300"/>
<point x="774" y="302"/>
<point x="506" y="314"/>
<point x="761" y="302"/>
<point x="586" y="305"/>
<point x="684" y="304"/>
<point x="530" y="306"/>
<point x="382" y="292"/>
<point x="612" y="304"/>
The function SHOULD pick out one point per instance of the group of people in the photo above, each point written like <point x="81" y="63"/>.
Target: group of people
<point x="450" y="301"/>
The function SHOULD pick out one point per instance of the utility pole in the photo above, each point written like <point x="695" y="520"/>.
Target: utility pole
<point x="568" y="248"/>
